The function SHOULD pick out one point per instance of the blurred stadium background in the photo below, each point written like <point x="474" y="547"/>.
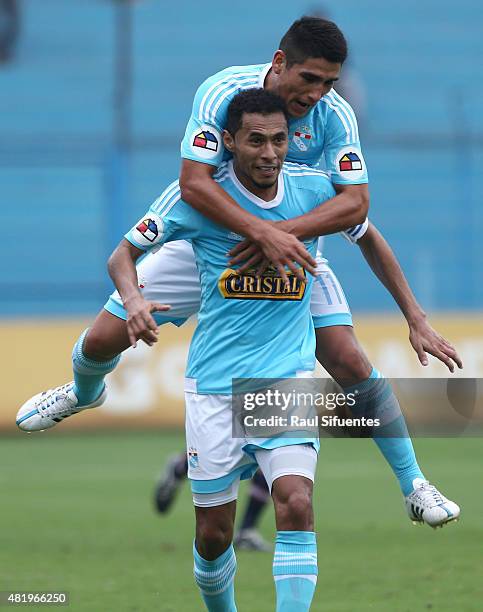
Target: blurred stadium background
<point x="93" y="105"/>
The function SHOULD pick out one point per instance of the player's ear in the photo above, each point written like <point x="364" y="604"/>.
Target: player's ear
<point x="228" y="141"/>
<point x="279" y="61"/>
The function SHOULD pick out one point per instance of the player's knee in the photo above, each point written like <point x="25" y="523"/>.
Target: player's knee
<point x="212" y="539"/>
<point x="293" y="510"/>
<point x="96" y="345"/>
<point x="347" y="366"/>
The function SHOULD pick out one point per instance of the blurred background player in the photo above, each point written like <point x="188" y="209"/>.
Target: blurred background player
<point x="247" y="537"/>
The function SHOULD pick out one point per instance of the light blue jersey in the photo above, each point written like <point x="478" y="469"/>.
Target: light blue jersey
<point x="327" y="136"/>
<point x="248" y="327"/>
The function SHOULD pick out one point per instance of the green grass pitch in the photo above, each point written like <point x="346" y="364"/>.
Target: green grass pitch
<point x="76" y="515"/>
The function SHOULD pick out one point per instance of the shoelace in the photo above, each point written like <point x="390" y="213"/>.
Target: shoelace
<point x="428" y="492"/>
<point x="59" y="395"/>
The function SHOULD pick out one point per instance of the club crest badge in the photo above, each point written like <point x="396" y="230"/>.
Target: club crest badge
<point x="302" y="137"/>
<point x="193" y="458"/>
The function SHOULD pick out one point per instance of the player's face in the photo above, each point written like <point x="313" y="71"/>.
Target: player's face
<point x="259" y="149"/>
<point x="302" y="85"/>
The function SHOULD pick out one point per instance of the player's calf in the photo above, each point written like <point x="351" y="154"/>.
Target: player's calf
<point x="214" y="556"/>
<point x="214" y="529"/>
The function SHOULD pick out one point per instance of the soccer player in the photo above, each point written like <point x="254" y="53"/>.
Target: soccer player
<point x="274" y="322"/>
<point x="322" y="129"/>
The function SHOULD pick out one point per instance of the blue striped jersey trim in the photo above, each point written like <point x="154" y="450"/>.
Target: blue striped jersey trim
<point x="214" y="91"/>
<point x="289" y="164"/>
<point x="229" y="90"/>
<point x="353" y="231"/>
<point x="294" y="169"/>
<point x="349" y="111"/>
<point x="222" y="177"/>
<point x="345" y="114"/>
<point x="306" y="173"/>
<point x="222" y="168"/>
<point x="243" y="72"/>
<point x="167" y="199"/>
<point x="223" y="88"/>
<point x="172" y="193"/>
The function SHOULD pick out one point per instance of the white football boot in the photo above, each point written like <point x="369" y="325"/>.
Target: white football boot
<point x="48" y="408"/>
<point x="427" y="505"/>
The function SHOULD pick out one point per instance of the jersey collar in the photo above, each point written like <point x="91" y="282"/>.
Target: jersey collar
<point x="263" y="74"/>
<point x="251" y="196"/>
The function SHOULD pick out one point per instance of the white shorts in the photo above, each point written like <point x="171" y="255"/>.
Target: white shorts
<point x="170" y="276"/>
<point x="217" y="461"/>
<point x="293" y="460"/>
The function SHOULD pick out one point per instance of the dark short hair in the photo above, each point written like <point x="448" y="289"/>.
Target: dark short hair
<point x="314" y="37"/>
<point x="253" y="101"/>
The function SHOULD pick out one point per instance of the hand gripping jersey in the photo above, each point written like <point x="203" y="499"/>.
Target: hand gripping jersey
<point x="248" y="326"/>
<point x="327" y="136"/>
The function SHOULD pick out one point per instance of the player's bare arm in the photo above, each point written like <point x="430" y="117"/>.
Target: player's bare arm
<point x="122" y="270"/>
<point x="347" y="209"/>
<point x="423" y="338"/>
<point x="200" y="191"/>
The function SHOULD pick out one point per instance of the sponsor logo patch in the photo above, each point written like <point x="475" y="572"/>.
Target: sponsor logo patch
<point x="350" y="163"/>
<point x="149" y="230"/>
<point x="269" y="286"/>
<point x="206" y="142"/>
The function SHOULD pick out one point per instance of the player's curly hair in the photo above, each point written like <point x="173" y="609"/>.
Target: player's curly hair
<point x="253" y="101"/>
<point x="314" y="37"/>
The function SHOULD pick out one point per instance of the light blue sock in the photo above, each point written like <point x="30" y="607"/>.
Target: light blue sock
<point x="376" y="399"/>
<point x="216" y="580"/>
<point x="295" y="570"/>
<point x="89" y="374"/>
